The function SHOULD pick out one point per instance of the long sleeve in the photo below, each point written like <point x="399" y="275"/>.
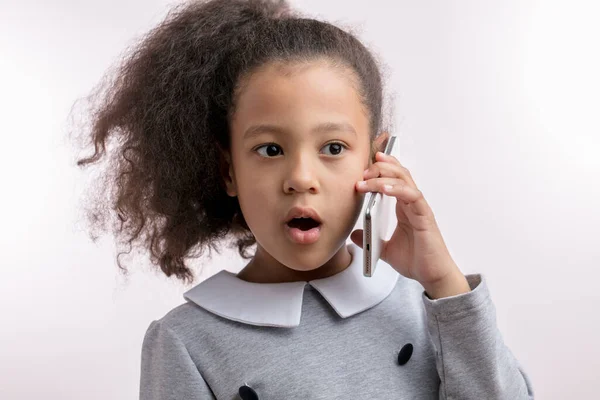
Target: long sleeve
<point x="471" y="358"/>
<point x="168" y="372"/>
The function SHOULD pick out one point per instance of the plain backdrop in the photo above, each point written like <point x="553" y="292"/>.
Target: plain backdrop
<point x="497" y="106"/>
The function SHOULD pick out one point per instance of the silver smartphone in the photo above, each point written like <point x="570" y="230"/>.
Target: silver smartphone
<point x="377" y="217"/>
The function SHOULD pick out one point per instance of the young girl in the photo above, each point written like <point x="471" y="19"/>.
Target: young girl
<point x="240" y="119"/>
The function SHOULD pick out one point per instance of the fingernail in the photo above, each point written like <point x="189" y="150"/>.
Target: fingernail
<point x="362" y="184"/>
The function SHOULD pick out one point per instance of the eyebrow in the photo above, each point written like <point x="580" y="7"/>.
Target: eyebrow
<point x="256" y="130"/>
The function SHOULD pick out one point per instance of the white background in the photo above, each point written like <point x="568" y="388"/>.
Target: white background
<point x="497" y="110"/>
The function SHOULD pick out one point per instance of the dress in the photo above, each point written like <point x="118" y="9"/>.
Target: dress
<point x="342" y="337"/>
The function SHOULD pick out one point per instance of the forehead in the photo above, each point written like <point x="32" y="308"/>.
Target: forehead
<point x="300" y="93"/>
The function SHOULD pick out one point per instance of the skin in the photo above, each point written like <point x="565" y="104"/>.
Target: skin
<point x="307" y="170"/>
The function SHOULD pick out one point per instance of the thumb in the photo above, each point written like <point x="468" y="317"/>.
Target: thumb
<point x="357" y="237"/>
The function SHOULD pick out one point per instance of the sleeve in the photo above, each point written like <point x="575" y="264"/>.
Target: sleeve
<point x="471" y="358"/>
<point x="168" y="372"/>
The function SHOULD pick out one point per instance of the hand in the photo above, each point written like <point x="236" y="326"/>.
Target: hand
<point x="416" y="249"/>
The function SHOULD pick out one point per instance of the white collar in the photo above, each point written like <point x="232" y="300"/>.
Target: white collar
<point x="280" y="304"/>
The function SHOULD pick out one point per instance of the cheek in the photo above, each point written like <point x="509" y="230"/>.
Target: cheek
<point x="341" y="188"/>
<point x="251" y="185"/>
<point x="254" y="195"/>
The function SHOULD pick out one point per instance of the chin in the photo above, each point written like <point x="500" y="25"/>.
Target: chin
<point x="310" y="259"/>
<point x="305" y="264"/>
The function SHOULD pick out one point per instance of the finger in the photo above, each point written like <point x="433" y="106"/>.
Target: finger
<point x="393" y="160"/>
<point x="382" y="169"/>
<point x="398" y="189"/>
<point x="377" y="184"/>
<point x="381" y="156"/>
<point x="357" y="237"/>
<point x="390" y="159"/>
<point x="389" y="169"/>
<point x="411" y="197"/>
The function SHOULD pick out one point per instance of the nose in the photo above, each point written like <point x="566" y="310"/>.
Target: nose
<point x="301" y="175"/>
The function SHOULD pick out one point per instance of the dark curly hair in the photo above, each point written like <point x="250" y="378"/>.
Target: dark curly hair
<point x="162" y="119"/>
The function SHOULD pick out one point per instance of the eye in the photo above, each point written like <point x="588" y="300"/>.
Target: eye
<point x="336" y="147"/>
<point x="271" y="149"/>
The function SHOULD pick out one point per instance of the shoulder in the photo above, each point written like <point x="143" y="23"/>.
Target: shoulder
<point x="186" y="321"/>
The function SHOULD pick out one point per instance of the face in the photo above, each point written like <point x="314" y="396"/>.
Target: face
<point x="299" y="137"/>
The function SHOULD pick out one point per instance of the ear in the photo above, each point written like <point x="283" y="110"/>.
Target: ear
<point x="227" y="173"/>
<point x="379" y="144"/>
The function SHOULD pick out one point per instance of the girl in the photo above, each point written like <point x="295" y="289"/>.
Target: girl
<point x="242" y="119"/>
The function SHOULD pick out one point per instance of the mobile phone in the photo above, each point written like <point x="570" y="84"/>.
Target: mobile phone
<point x="377" y="217"/>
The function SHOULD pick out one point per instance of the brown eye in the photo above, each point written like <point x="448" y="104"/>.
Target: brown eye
<point x="271" y="150"/>
<point x="335" y="148"/>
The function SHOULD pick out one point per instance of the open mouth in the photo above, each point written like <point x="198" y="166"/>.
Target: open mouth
<point x="304" y="224"/>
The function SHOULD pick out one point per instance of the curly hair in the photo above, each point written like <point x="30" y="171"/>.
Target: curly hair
<point x="161" y="118"/>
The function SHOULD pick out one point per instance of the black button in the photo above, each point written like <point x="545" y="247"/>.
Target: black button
<point x="247" y="393"/>
<point x="405" y="354"/>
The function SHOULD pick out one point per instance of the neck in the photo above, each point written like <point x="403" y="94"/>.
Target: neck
<point x="263" y="268"/>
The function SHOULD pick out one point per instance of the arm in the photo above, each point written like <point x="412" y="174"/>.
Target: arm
<point x="471" y="358"/>
<point x="168" y="372"/>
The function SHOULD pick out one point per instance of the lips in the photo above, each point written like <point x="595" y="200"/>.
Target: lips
<point x="303" y="225"/>
<point x="296" y="215"/>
